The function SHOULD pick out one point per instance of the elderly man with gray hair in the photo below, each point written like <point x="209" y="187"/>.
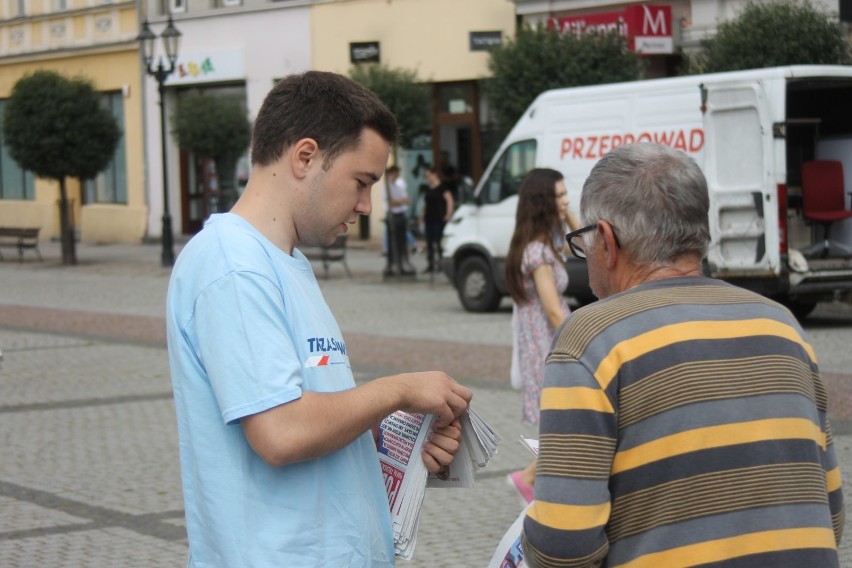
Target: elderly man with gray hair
<point x="683" y="420"/>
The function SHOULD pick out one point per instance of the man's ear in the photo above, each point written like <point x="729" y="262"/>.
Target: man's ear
<point x="304" y="155"/>
<point x="610" y="249"/>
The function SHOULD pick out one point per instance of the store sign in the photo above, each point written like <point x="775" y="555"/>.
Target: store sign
<point x="208" y="67"/>
<point x="364" y="52"/>
<point x="647" y="28"/>
<point x="485" y="41"/>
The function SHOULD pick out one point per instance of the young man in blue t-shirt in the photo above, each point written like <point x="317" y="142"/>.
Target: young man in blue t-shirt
<point x="277" y="444"/>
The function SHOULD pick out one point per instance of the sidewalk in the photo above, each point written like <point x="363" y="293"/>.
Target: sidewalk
<point x="88" y="464"/>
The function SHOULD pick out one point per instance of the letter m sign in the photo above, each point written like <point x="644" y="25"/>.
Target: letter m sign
<point x="650" y="28"/>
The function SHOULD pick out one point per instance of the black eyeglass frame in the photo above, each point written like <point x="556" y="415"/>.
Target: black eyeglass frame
<point x="576" y="249"/>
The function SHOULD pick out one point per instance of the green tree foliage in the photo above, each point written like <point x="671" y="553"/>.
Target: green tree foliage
<point x="57" y="128"/>
<point x="409" y="100"/>
<point x="774" y="34"/>
<point x="212" y="127"/>
<point x="538" y="59"/>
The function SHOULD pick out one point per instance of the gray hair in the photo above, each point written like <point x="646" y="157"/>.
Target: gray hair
<point x="656" y="200"/>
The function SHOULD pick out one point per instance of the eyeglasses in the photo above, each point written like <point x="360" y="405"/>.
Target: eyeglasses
<point x="577" y="243"/>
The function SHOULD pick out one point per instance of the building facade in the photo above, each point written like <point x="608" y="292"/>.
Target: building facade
<point x="97" y="41"/>
<point x="238" y="49"/>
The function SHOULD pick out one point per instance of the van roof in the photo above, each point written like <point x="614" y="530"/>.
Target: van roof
<point x="789" y="72"/>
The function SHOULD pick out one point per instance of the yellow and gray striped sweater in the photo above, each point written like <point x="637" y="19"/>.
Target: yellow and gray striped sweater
<point x="683" y="423"/>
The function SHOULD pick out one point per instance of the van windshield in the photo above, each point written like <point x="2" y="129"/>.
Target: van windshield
<point x="505" y="177"/>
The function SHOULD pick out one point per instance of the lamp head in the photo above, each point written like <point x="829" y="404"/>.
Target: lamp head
<point x="171" y="41"/>
<point x="146" y="39"/>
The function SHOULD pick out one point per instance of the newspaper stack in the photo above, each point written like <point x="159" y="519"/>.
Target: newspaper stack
<point x="400" y="444"/>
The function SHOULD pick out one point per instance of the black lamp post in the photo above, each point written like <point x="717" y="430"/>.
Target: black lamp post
<point x="171" y="39"/>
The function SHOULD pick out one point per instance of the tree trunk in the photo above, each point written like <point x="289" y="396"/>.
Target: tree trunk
<point x="66" y="228"/>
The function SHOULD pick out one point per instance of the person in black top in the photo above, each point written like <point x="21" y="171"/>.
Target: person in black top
<point x="437" y="210"/>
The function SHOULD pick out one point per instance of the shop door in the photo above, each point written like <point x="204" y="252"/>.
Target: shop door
<point x="455" y="128"/>
<point x="199" y="191"/>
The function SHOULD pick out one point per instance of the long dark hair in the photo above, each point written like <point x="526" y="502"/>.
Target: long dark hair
<point x="535" y="220"/>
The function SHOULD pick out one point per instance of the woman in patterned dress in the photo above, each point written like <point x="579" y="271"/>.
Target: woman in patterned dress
<point x="537" y="280"/>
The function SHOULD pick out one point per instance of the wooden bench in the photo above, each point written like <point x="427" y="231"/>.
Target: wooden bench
<point x="20" y="238"/>
<point x="335" y="252"/>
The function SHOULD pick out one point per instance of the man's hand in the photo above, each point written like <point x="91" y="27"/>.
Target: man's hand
<point x="441" y="446"/>
<point x="433" y="392"/>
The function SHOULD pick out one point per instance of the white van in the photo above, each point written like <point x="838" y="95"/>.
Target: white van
<point x="750" y="131"/>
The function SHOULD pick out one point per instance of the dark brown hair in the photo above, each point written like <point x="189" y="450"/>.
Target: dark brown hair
<point x="536" y="219"/>
<point x="331" y="109"/>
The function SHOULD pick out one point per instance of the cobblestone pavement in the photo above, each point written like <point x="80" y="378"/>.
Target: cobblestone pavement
<point x="89" y="472"/>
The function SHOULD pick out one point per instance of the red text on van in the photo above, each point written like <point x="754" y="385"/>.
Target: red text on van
<point x="595" y="147"/>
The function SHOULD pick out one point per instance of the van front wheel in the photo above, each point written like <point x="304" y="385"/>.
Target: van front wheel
<point x="801" y="307"/>
<point x="475" y="285"/>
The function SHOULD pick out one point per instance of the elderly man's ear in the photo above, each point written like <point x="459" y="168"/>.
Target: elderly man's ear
<point x="608" y="245"/>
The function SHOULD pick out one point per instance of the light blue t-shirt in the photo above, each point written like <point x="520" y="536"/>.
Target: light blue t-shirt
<point x="249" y="329"/>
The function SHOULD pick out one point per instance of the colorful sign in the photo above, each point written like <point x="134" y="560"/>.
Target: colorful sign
<point x="647" y="28"/>
<point x="208" y="67"/>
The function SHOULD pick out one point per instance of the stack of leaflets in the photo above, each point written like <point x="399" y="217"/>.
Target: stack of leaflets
<point x="400" y="445"/>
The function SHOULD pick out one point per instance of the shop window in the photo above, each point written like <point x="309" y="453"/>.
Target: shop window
<point x="456" y="99"/>
<point x="172" y="6"/>
<point x="110" y="186"/>
<point x="15" y="182"/>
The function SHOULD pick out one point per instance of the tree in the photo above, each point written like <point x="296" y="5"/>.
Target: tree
<point x="212" y="127"/>
<point x="538" y="59"/>
<point x="774" y="34"/>
<point x="57" y="128"/>
<point x="408" y="100"/>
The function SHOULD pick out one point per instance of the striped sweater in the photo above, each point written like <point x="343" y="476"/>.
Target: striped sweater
<point x="683" y="423"/>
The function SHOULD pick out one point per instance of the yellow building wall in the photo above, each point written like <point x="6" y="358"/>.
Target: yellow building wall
<point x="36" y="35"/>
<point x="80" y="25"/>
<point x="127" y="22"/>
<point x="113" y="71"/>
<point x="428" y="36"/>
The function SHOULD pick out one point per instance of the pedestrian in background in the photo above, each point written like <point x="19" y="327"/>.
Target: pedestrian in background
<point x="683" y="419"/>
<point x="396" y="206"/>
<point x="536" y="279"/>
<point x="277" y="443"/>
<point x="438" y="207"/>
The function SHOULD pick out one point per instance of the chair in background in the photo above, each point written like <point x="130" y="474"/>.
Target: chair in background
<point x="335" y="252"/>
<point x="824" y="202"/>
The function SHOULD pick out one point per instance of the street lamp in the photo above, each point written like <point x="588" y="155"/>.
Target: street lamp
<point x="171" y="39"/>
